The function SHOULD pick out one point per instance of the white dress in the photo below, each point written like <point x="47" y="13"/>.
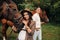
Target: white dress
<point x="22" y="34"/>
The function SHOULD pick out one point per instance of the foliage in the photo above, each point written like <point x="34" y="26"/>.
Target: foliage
<point x="52" y="7"/>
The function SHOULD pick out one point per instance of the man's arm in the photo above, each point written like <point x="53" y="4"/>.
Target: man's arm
<point x="42" y="23"/>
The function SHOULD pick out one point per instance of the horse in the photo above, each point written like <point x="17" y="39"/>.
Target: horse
<point x="9" y="16"/>
<point x="43" y="15"/>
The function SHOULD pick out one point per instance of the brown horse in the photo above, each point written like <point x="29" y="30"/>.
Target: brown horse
<point x="9" y="15"/>
<point x="43" y="15"/>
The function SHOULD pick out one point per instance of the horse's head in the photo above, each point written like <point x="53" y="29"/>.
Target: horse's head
<point x="15" y="15"/>
<point x="18" y="21"/>
<point x="44" y="17"/>
<point x="11" y="13"/>
<point x="7" y="11"/>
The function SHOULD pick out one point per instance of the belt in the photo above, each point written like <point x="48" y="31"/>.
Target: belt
<point x="24" y="29"/>
<point x="37" y="29"/>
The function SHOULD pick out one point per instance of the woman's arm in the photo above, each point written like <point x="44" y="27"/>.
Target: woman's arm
<point x="32" y="29"/>
<point x="26" y="26"/>
<point x="28" y="29"/>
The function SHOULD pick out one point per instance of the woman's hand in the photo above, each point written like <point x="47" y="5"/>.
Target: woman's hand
<point x="25" y="22"/>
<point x="29" y="30"/>
<point x="26" y="26"/>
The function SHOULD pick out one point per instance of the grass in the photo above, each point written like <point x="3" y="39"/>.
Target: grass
<point x="50" y="32"/>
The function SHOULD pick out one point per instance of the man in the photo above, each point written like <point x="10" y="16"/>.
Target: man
<point x="36" y="18"/>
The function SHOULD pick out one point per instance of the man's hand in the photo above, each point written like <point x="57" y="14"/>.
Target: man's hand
<point x="42" y="22"/>
<point x="14" y="28"/>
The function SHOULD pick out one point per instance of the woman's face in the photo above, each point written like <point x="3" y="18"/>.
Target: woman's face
<point x="26" y="16"/>
<point x="38" y="10"/>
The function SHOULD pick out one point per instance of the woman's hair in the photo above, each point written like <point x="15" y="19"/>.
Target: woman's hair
<point x="29" y="13"/>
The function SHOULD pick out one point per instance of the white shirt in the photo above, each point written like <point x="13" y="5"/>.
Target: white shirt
<point x="24" y="27"/>
<point x="36" y="18"/>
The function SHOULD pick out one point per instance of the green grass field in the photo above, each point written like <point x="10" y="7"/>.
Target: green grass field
<point x="50" y="32"/>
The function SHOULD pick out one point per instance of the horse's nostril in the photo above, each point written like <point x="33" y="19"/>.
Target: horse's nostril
<point x="47" y="20"/>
